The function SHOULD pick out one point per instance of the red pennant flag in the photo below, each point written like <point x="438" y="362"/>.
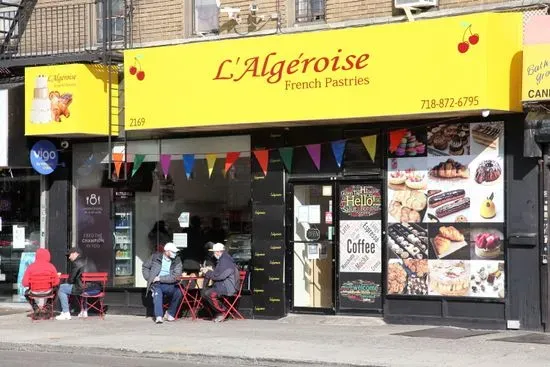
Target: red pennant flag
<point x="117" y="160"/>
<point x="395" y="139"/>
<point x="262" y="156"/>
<point x="230" y="159"/>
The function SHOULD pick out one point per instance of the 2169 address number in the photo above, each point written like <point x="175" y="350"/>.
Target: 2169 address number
<point x="451" y="102"/>
<point x="137" y="122"/>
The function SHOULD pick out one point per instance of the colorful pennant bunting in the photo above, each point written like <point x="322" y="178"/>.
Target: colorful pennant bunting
<point x="338" y="148"/>
<point x="262" y="155"/>
<point x="211" y="161"/>
<point x="286" y="156"/>
<point x="188" y="164"/>
<point x="138" y="160"/>
<point x="118" y="158"/>
<point x="370" y="145"/>
<point x="230" y="159"/>
<point x="165" y="160"/>
<point x="314" y="151"/>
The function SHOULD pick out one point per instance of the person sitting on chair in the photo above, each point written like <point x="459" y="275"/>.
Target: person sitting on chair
<point x="162" y="272"/>
<point x="40" y="267"/>
<point x="225" y="277"/>
<point x="74" y="286"/>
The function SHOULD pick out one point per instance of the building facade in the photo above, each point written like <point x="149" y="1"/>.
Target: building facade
<point x="355" y="157"/>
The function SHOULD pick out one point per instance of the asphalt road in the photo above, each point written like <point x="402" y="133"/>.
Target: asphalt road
<point x="55" y="359"/>
<point x="80" y="358"/>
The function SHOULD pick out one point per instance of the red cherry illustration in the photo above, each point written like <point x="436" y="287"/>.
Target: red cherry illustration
<point x="474" y="38"/>
<point x="137" y="71"/>
<point x="463" y="47"/>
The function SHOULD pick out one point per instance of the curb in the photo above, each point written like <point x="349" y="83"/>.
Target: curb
<point x="184" y="357"/>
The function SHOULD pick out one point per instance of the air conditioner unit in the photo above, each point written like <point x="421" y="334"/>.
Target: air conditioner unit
<point x="400" y="4"/>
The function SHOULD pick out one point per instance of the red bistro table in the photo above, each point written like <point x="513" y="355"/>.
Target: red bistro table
<point x="191" y="294"/>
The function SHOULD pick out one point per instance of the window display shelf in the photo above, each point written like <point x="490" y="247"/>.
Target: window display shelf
<point x="123" y="227"/>
<point x="123" y="258"/>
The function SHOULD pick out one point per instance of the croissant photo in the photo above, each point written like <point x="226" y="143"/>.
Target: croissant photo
<point x="60" y="105"/>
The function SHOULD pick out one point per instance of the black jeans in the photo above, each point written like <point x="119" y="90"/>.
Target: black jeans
<point x="213" y="299"/>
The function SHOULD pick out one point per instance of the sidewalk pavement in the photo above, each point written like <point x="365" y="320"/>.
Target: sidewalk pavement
<point x="296" y="339"/>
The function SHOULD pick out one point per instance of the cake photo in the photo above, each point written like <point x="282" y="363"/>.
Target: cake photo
<point x="449" y="278"/>
<point x="41" y="110"/>
<point x="487" y="245"/>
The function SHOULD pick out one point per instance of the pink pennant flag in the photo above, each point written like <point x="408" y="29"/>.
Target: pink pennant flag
<point x="165" y="160"/>
<point x="314" y="151"/>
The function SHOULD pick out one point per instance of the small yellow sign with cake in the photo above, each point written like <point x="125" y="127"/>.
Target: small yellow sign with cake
<point x="68" y="100"/>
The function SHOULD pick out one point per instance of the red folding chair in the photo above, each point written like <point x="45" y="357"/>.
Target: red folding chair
<point x="232" y="301"/>
<point x="41" y="292"/>
<point x="93" y="299"/>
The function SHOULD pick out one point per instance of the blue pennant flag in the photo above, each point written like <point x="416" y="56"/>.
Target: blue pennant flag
<point x="338" y="148"/>
<point x="188" y="164"/>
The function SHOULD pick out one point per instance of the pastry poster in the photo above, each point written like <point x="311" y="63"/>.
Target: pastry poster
<point x="446" y="211"/>
<point x="360" y="246"/>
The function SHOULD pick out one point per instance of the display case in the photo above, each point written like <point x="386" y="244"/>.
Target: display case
<point x="124" y="238"/>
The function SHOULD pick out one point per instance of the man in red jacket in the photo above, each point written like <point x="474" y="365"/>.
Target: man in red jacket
<point x="40" y="266"/>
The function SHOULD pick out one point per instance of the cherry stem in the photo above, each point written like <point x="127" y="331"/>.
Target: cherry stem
<point x="139" y="63"/>
<point x="467" y="29"/>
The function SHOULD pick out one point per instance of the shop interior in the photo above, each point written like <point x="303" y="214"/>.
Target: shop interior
<point x="187" y="211"/>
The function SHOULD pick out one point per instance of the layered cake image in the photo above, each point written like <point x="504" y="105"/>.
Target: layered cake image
<point x="41" y="110"/>
<point x="449" y="278"/>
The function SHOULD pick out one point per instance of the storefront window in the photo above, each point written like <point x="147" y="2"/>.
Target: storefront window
<point x="446" y="211"/>
<point x="150" y="209"/>
<point x="20" y="229"/>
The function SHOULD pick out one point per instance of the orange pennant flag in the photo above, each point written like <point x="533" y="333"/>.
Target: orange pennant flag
<point x="117" y="160"/>
<point x="262" y="156"/>
<point x="230" y="159"/>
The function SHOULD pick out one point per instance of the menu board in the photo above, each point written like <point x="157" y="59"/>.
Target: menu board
<point x="445" y="231"/>
<point x="360" y="246"/>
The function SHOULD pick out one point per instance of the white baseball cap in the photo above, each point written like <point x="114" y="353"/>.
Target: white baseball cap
<point x="218" y="247"/>
<point x="171" y="247"/>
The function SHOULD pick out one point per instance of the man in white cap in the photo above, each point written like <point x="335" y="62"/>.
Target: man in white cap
<point x="225" y="277"/>
<point x="162" y="272"/>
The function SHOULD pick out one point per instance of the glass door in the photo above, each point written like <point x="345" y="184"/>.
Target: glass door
<point x="313" y="247"/>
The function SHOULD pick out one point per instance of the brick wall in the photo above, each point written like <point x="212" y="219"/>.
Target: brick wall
<point x="160" y="21"/>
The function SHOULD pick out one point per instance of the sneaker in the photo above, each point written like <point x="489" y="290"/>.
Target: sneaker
<point x="170" y="317"/>
<point x="64" y="316"/>
<point x="159" y="320"/>
<point x="83" y="314"/>
<point x="218" y="318"/>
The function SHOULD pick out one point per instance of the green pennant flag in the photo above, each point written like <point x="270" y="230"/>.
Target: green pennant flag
<point x="138" y="160"/>
<point x="286" y="156"/>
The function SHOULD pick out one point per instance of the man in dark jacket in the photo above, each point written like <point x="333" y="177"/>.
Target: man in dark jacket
<point x="40" y="267"/>
<point x="226" y="280"/>
<point x="162" y="272"/>
<point x="79" y="264"/>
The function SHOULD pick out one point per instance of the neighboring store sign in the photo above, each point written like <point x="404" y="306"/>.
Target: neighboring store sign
<point x="536" y="73"/>
<point x="353" y="66"/>
<point x="536" y="59"/>
<point x="94" y="232"/>
<point x="44" y="157"/>
<point x="67" y="99"/>
<point x="360" y="246"/>
<point x="4" y="106"/>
